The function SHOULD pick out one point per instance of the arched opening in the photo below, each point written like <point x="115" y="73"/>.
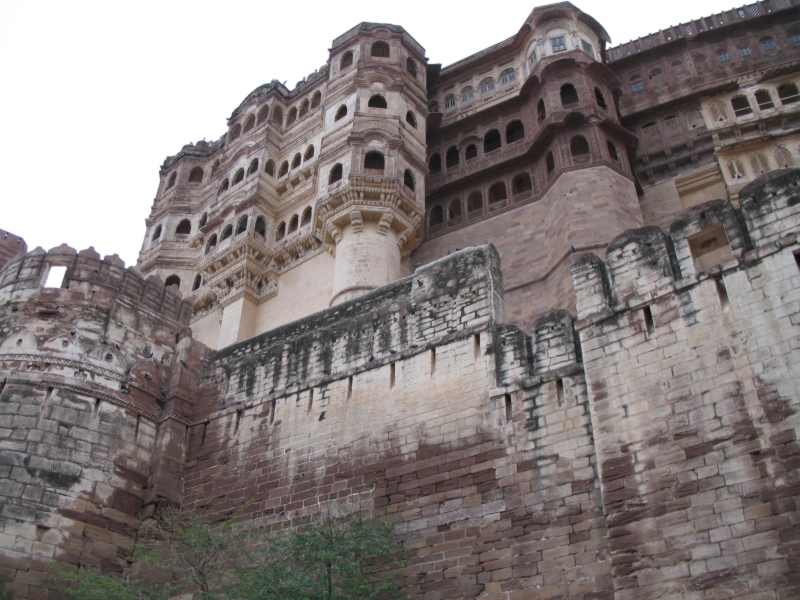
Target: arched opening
<point x="184" y="227"/>
<point x="408" y="179"/>
<point x="471" y="152"/>
<point x="764" y="100"/>
<point x="514" y="132"/>
<point x="474" y="203"/>
<point x="212" y="243"/>
<point x="374" y="161"/>
<point x="694" y="119"/>
<point x="269" y="168"/>
<point x="636" y="83"/>
<point x="492" y="141"/>
<point x="788" y="93"/>
<point x="377" y="101"/>
<point x="293" y="224"/>
<point x="497" y="193"/>
<point x="454" y="211"/>
<point x="280" y="232"/>
<point x="226" y="233"/>
<point x="612" y="151"/>
<point x="156" y="234"/>
<point x="467" y="94"/>
<point x="759" y="164"/>
<point x="198" y="281"/>
<point x="569" y="95"/>
<point x="309" y="153"/>
<point x="768" y="44"/>
<point x="238" y="176"/>
<point x="341" y="113"/>
<point x="316" y="99"/>
<point x="277" y="115"/>
<point x="411" y="66"/>
<point x="284" y="168"/>
<point x="296" y="160"/>
<point x="236" y="131"/>
<point x="196" y="175"/>
<point x="380" y="50"/>
<point x="793" y="35"/>
<point x="336" y="174"/>
<point x="292" y="116"/>
<point x="411" y="120"/>
<point x="521" y="184"/>
<point x="451" y="159"/>
<point x="784" y="158"/>
<point x="449" y="101"/>
<point x="249" y="123"/>
<point x="508" y="77"/>
<point x="436" y="217"/>
<point x="433" y="107"/>
<point x="435" y="163"/>
<point x="261" y="227"/>
<point x="718" y="112"/>
<point x="304" y="108"/>
<point x="723" y="57"/>
<point x="171" y="180"/>
<point x="241" y="227"/>
<point x="541" y="110"/>
<point x="486" y="85"/>
<point x="701" y="63"/>
<point x="306" y="217"/>
<point x="579" y="148"/>
<point x="253" y="168"/>
<point x="223" y="187"/>
<point x="658" y="78"/>
<point x="736" y="169"/>
<point x="263" y="115"/>
<point x="347" y="60"/>
<point x="172" y="280"/>
<point x="215" y="166"/>
<point x="550" y="163"/>
<point x="598" y="97"/>
<point x="204" y="220"/>
<point x="741" y="106"/>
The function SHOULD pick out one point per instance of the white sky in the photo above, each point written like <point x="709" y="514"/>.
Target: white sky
<point x="94" y="95"/>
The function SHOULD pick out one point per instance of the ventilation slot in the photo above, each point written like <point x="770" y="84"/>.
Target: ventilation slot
<point x="560" y="391"/>
<point x="46" y="396"/>
<point x="477" y="343"/>
<point x="508" y="408"/>
<point x="237" y="422"/>
<point x="349" y="387"/>
<point x="310" y="399"/>
<point x="391" y="376"/>
<point x="648" y="320"/>
<point x="203" y="435"/>
<point x="724" y="301"/>
<point x="273" y="410"/>
<point x="95" y="410"/>
<point x="433" y="361"/>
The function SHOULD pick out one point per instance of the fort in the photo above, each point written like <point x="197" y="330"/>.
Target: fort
<point x="536" y="307"/>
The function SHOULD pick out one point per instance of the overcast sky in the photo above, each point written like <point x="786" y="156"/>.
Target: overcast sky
<point x="94" y="95"/>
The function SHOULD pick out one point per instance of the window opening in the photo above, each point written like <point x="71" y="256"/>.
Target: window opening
<point x="723" y="57"/>
<point x="612" y="151"/>
<point x="648" y="320"/>
<point x="471" y="152"/>
<point x="184" y="227"/>
<point x="569" y="95"/>
<point x="783" y="158"/>
<point x="475" y="202"/>
<point x="242" y="226"/>
<point x="198" y="281"/>
<point x="284" y="168"/>
<point x="487" y="85"/>
<point x="436" y="217"/>
<point x="277" y="115"/>
<point x="587" y="47"/>
<point x="380" y="50"/>
<point x="550" y="163"/>
<point x="292" y="116"/>
<point x="341" y="113"/>
<point x="559" y="44"/>
<point x="304" y="108"/>
<point x="157" y="233"/>
<point x="788" y="93"/>
<point x="541" y="110"/>
<point x="508" y="76"/>
<point x="55" y="276"/>
<point x="349" y="387"/>
<point x="578" y="146"/>
<point x="309" y="153"/>
<point x="658" y="78"/>
<point x="710" y="247"/>
<point x="598" y="96"/>
<point x="718" y="112"/>
<point x="391" y="376"/>
<point x="701" y="63"/>
<point x="741" y="106"/>
<point x="435" y="163"/>
<point x="226" y="233"/>
<point x="521" y="183"/>
<point x="249" y="123"/>
<point x="253" y="168"/>
<point x="736" y="169"/>
<point x="196" y="176"/>
<point x="296" y="160"/>
<point x="454" y="211"/>
<point x="449" y="101"/>
<point x="212" y="242"/>
<point x="794" y="37"/>
<point x="236" y="131"/>
<point x="411" y="66"/>
<point x="433" y="361"/>
<point x="768" y="44"/>
<point x="637" y="83"/>
<point x="492" y="141"/>
<point x="347" y="60"/>
<point x="515" y="131"/>
<point x="269" y="169"/>
<point x="316" y="99"/>
<point x="408" y="180"/>
<point x="294" y="223"/>
<point x="433" y="107"/>
<point x="476" y="343"/>
<point x="374" y="160"/>
<point x="306" y="217"/>
<point x="377" y="101"/>
<point x="261" y="227"/>
<point x="411" y="120"/>
<point x="467" y="94"/>
<point x="497" y="193"/>
<point x="560" y="391"/>
<point x="759" y="164"/>
<point x="171" y="180"/>
<point x="722" y="294"/>
<point x="238" y="177"/>
<point x="336" y="174"/>
<point x="280" y="232"/>
<point x="508" y="408"/>
<point x="263" y="115"/>
<point x="172" y="280"/>
<point x="452" y="157"/>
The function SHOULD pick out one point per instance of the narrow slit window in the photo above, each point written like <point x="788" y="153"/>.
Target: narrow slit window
<point x="237" y="422"/>
<point x="560" y="391"/>
<point x="391" y="375"/>
<point x="722" y="293"/>
<point x="310" y="399"/>
<point x="349" y="387"/>
<point x="203" y="434"/>
<point x="477" y="345"/>
<point x="648" y="320"/>
<point x="509" y="408"/>
<point x="433" y="361"/>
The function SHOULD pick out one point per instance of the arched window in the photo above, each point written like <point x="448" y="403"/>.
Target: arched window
<point x="759" y="164"/>
<point x="377" y="101"/>
<point x="309" y="153"/>
<point x="467" y="94"/>
<point x="569" y="95"/>
<point x="454" y="211"/>
<point x="411" y="66"/>
<point x="764" y="100"/>
<point x="226" y="233"/>
<point x="612" y="151"/>
<point x="658" y="78"/>
<point x="336" y="173"/>
<point x="249" y="123"/>
<point x="215" y="166"/>
<point x="156" y="234"/>
<point x="316" y="99"/>
<point x="238" y="177"/>
<point x="514" y="131"/>
<point x="293" y="224"/>
<point x="341" y="113"/>
<point x="380" y="50"/>
<point x="241" y="227"/>
<point x="171" y="180"/>
<point x="723" y="57"/>
<point x="598" y="97"/>
<point x="253" y="168"/>
<point x="521" y="183"/>
<point x="263" y="115"/>
<point x="550" y="163"/>
<point x="284" y="168"/>
<point x="198" y="281"/>
<point x="736" y="169"/>
<point x="487" y="85"/>
<point x="578" y="146"/>
<point x="435" y="163"/>
<point x="292" y="116"/>
<point x="701" y="63"/>
<point x="637" y="83"/>
<point x="451" y="160"/>
<point x="347" y="60"/>
<point x="408" y="179"/>
<point x="433" y="107"/>
<point x="474" y="203"/>
<point x="768" y="44"/>
<point x="306" y="217"/>
<point x="280" y="232"/>
<point x="492" y="141"/>
<point x="741" y="106"/>
<point x="678" y="69"/>
<point x="172" y="280"/>
<point x="497" y="193"/>
<point x="650" y="130"/>
<point x="236" y="131"/>
<point x="718" y="112"/>
<point x="411" y="120"/>
<point x="261" y="227"/>
<point x="471" y="152"/>
<point x="277" y="115"/>
<point x="269" y="169"/>
<point x="212" y="242"/>
<point x="184" y="227"/>
<point x="196" y="175"/>
<point x="784" y="158"/>
<point x="508" y="76"/>
<point x="223" y="187"/>
<point x="204" y="220"/>
<point x="788" y="93"/>
<point x="296" y="160"/>
<point x="303" y="108"/>
<point x="449" y="101"/>
<point x="794" y="36"/>
<point x="541" y="110"/>
<point x="744" y="51"/>
<point x="436" y="217"/>
<point x="375" y="161"/>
